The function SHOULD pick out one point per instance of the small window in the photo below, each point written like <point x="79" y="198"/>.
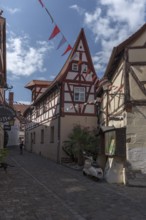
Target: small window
<point x="42" y="136"/>
<point x="75" y="67"/>
<point x="79" y="94"/>
<point x="52" y="134"/>
<point x="85" y="68"/>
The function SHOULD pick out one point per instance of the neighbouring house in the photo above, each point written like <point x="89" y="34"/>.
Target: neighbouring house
<point x="37" y="87"/>
<point x="15" y="128"/>
<point x="122" y="111"/>
<point x="68" y="100"/>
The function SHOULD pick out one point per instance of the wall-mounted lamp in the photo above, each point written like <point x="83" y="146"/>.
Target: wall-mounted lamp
<point x="7" y="87"/>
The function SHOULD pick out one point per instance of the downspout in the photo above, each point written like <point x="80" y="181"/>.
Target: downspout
<point x="59" y="126"/>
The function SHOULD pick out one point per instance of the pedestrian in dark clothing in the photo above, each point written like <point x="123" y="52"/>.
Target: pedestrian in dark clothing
<point x="21" y="147"/>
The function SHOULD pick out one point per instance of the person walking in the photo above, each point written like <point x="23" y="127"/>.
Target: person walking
<point x="21" y="147"/>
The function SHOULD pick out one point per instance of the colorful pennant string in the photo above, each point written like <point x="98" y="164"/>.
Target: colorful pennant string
<point x="67" y="49"/>
<point x="40" y="1"/>
<point x="49" y="14"/>
<point x="55" y="31"/>
<point x="63" y="40"/>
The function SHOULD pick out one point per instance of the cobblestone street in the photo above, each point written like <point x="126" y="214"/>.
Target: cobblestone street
<point x="39" y="189"/>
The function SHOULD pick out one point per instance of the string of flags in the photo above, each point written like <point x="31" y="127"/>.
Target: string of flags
<point x="56" y="31"/>
<point x="63" y="40"/>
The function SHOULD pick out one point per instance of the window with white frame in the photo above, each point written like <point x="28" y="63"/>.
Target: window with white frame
<point x="74" y="66"/>
<point x="79" y="94"/>
<point x="85" y="68"/>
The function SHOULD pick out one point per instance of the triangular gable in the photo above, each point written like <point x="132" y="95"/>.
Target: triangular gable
<point x="80" y="42"/>
<point x="80" y="46"/>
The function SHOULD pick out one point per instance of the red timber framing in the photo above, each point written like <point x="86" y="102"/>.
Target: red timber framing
<point x="83" y="76"/>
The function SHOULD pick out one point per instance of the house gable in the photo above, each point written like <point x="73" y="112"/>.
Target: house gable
<point x="78" y="81"/>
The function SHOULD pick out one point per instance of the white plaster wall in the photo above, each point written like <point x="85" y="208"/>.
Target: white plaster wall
<point x="84" y="58"/>
<point x="46" y="149"/>
<point x="136" y="133"/>
<point x="71" y="75"/>
<point x="140" y="41"/>
<point x="14" y="134"/>
<point x="67" y="97"/>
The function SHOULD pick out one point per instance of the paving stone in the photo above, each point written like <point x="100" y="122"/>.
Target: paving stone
<point x="39" y="189"/>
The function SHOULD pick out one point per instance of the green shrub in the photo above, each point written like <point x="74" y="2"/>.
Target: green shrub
<point x="79" y="140"/>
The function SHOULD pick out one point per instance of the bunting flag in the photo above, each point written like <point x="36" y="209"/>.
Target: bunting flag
<point x="40" y="1"/>
<point x="49" y="14"/>
<point x="63" y="40"/>
<point x="67" y="49"/>
<point x="54" y="32"/>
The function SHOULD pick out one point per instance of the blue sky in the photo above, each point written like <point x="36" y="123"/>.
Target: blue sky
<point x="31" y="56"/>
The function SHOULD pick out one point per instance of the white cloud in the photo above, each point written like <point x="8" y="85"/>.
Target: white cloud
<point x="78" y="9"/>
<point x="13" y="10"/>
<point x="24" y="102"/>
<point x="23" y="59"/>
<point x="111" y="22"/>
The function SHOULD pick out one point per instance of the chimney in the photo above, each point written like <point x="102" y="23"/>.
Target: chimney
<point x="11" y="99"/>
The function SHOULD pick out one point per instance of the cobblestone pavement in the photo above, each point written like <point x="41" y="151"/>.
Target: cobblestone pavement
<point x="39" y="189"/>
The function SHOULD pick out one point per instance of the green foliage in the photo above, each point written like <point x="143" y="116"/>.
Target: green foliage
<point x="79" y="140"/>
<point x="3" y="154"/>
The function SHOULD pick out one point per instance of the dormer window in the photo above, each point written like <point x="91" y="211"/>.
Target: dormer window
<point x="85" y="68"/>
<point x="79" y="94"/>
<point x="75" y="67"/>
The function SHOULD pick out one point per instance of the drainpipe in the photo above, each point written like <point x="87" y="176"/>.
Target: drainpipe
<point x="59" y="126"/>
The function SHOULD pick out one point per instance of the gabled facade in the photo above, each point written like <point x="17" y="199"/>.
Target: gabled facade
<point x="69" y="100"/>
<point x="123" y="112"/>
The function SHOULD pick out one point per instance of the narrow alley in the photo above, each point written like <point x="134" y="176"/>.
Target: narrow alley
<point x="39" y="189"/>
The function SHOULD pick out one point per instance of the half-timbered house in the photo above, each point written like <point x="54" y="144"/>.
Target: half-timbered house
<point x="123" y="112"/>
<point x="69" y="100"/>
